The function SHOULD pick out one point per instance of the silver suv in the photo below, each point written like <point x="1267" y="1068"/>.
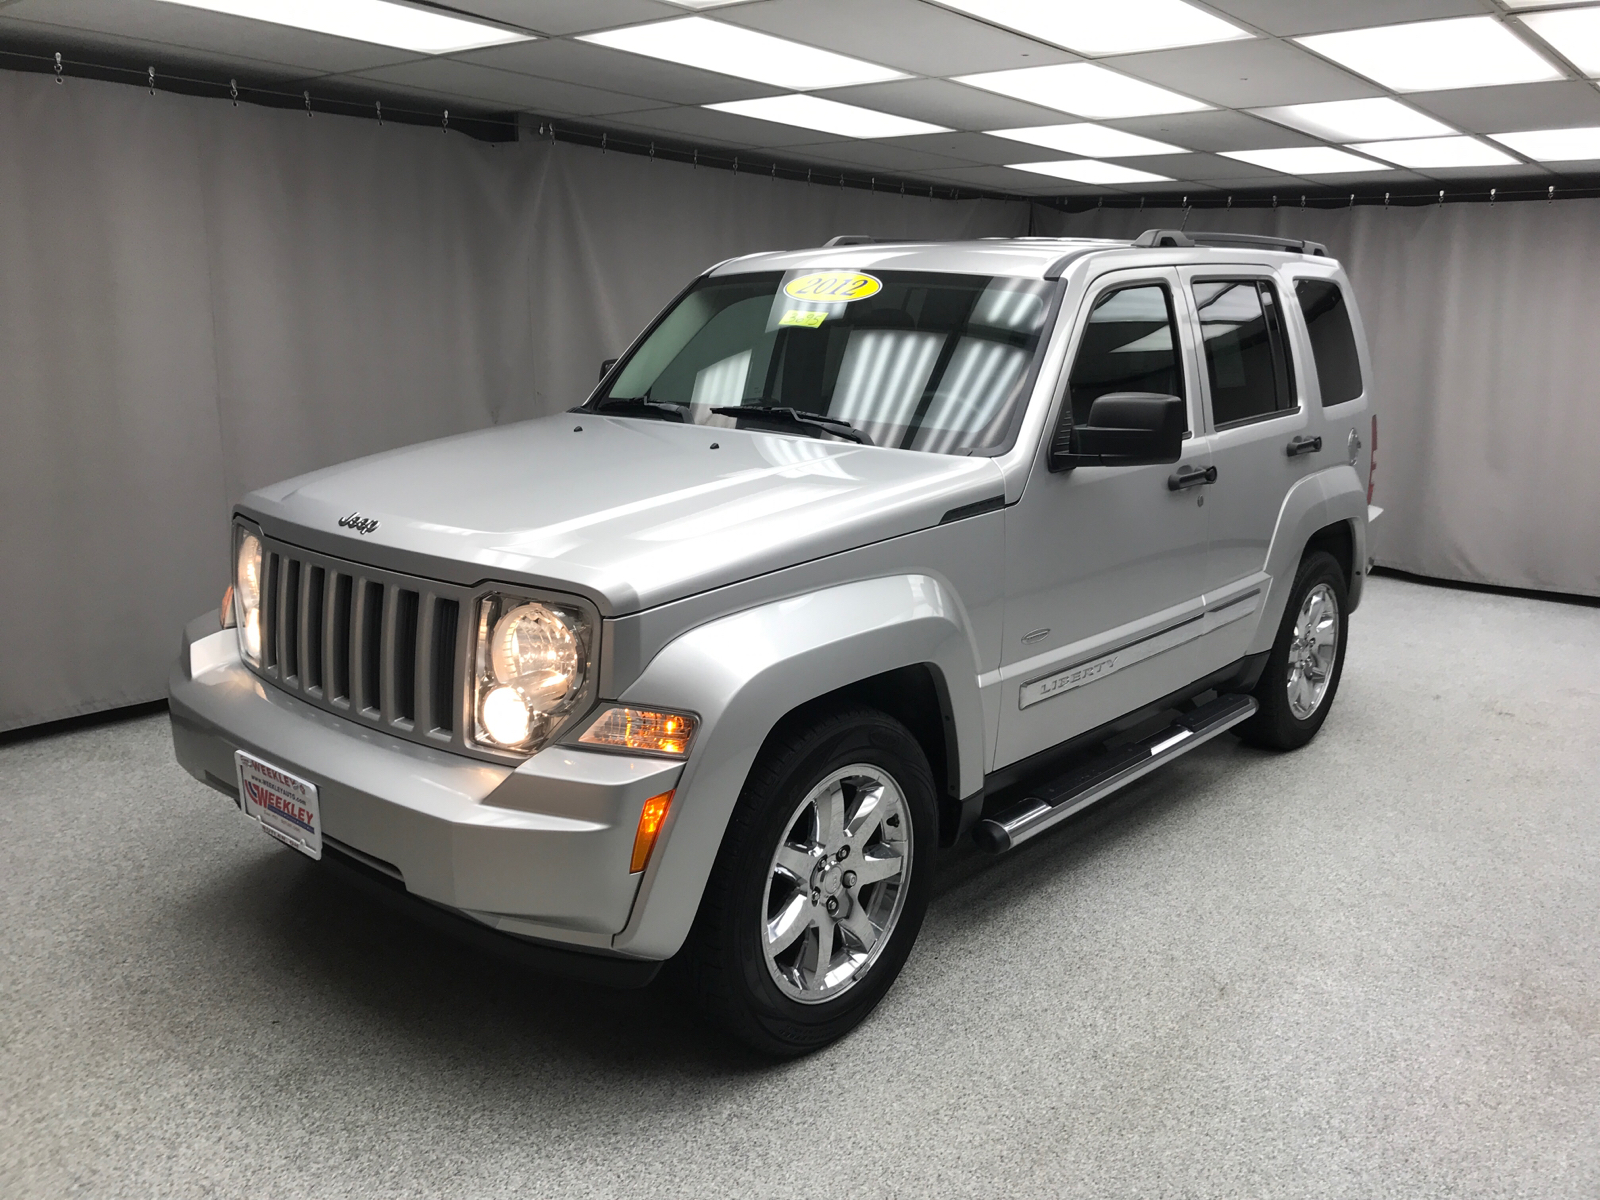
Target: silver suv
<point x="857" y="552"/>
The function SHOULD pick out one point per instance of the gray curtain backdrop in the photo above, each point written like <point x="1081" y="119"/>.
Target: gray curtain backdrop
<point x="1484" y="327"/>
<point x="198" y="299"/>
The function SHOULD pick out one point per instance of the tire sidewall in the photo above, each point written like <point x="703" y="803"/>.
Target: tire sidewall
<point x="866" y="738"/>
<point x="1278" y="725"/>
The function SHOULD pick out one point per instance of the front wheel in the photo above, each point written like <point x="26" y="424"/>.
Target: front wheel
<point x="1297" y="685"/>
<point x="820" y="886"/>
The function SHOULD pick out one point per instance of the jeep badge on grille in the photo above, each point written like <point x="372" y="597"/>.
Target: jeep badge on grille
<point x="362" y="525"/>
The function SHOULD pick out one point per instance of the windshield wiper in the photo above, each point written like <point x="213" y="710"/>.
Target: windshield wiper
<point x="794" y="418"/>
<point x="634" y="407"/>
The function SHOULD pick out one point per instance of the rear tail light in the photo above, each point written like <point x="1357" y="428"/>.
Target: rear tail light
<point x="1372" y="458"/>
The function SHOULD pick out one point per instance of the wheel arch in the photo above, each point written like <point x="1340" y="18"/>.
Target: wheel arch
<point x="902" y="644"/>
<point x="1327" y="510"/>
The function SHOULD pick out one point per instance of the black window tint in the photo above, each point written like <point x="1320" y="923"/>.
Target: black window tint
<point x="1129" y="345"/>
<point x="1333" y="342"/>
<point x="1246" y="359"/>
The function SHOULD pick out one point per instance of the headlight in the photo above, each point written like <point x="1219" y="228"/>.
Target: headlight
<point x="247" y="567"/>
<point x="530" y="666"/>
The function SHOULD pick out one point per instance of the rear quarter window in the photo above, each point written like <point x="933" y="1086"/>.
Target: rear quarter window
<point x="1333" y="341"/>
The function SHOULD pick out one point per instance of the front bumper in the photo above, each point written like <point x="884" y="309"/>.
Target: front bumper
<point x="540" y="851"/>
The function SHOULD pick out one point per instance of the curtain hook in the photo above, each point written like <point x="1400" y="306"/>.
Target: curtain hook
<point x="735" y="164"/>
<point x="1491" y="197"/>
<point x="307" y="95"/>
<point x="1141" y="203"/>
<point x="1230" y="202"/>
<point x="233" y="91"/>
<point x="1302" y="199"/>
<point x="1441" y="196"/>
<point x="1386" y="199"/>
<point x="1352" y="203"/>
<point x="652" y="152"/>
<point x="58" y="68"/>
<point x="445" y="124"/>
<point x="379" y="105"/>
<point x="1551" y="195"/>
<point x="152" y="72"/>
<point x="695" y="165"/>
<point x="1274" y="200"/>
<point x="841" y="179"/>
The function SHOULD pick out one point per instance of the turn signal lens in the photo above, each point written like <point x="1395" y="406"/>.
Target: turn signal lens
<point x="650" y="819"/>
<point x="641" y="729"/>
<point x="225" y="610"/>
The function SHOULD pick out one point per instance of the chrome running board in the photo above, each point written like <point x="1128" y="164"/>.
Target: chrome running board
<point x="1106" y="773"/>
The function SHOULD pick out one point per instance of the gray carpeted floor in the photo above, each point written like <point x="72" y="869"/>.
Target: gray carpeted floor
<point x="1368" y="969"/>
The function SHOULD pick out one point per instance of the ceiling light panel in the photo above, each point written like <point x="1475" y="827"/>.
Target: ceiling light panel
<point x="1096" y="27"/>
<point x="1430" y="56"/>
<point x="1423" y="153"/>
<point x="1091" y="141"/>
<point x="1574" y="32"/>
<point x="828" y="116"/>
<point x="1087" y="170"/>
<point x="734" y="50"/>
<point x="1357" y="120"/>
<point x="1085" y="90"/>
<point x="1554" y="145"/>
<point x="1306" y="160"/>
<point x="377" y="21"/>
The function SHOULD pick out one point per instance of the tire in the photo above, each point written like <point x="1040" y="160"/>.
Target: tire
<point x="867" y="768"/>
<point x="1295" y="668"/>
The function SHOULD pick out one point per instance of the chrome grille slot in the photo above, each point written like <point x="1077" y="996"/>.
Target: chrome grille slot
<point x="386" y="650"/>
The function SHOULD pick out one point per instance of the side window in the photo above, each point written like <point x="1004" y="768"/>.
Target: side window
<point x="1333" y="342"/>
<point x="1247" y="354"/>
<point x="1129" y="345"/>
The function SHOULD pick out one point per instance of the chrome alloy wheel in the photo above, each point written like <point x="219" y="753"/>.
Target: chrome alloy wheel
<point x="837" y="883"/>
<point x="1313" y="651"/>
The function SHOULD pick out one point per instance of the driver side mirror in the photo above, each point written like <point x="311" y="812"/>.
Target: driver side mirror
<point x="1124" y="429"/>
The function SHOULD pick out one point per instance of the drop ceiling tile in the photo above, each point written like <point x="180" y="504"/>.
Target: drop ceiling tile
<point x="1520" y="173"/>
<point x="904" y="34"/>
<point x="567" y="16"/>
<point x="687" y="124"/>
<point x="447" y="77"/>
<point x="614" y="70"/>
<point x="1198" y="168"/>
<point x="198" y="30"/>
<point x="1247" y="74"/>
<point x="972" y="148"/>
<point x="1287" y="17"/>
<point x="1003" y="180"/>
<point x="39" y="37"/>
<point x="944" y="102"/>
<point x="1215" y="131"/>
<point x="1520" y="106"/>
<point x="865" y="155"/>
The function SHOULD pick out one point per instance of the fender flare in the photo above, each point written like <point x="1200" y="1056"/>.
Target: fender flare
<point x="741" y="674"/>
<point x="1313" y="503"/>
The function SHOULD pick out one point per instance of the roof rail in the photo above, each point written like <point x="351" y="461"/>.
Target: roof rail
<point x="849" y="239"/>
<point x="1249" y="241"/>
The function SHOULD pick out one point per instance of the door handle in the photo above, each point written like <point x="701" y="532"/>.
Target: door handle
<point x="1304" y="445"/>
<point x="1188" y="477"/>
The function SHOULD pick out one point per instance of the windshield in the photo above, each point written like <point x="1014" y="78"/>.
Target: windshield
<point x="912" y="359"/>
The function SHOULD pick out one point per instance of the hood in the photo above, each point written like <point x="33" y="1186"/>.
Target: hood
<point x="631" y="512"/>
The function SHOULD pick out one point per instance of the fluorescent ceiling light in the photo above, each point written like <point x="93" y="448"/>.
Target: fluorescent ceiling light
<point x="1091" y="141"/>
<point x="1357" y="120"/>
<point x="1429" y="56"/>
<point x="1554" y="145"/>
<point x="1575" y="32"/>
<point x="1086" y="170"/>
<point x="1423" y="153"/>
<point x="813" y="112"/>
<point x="1084" y="89"/>
<point x="704" y="3"/>
<point x="732" y="50"/>
<point x="1305" y="160"/>
<point x="418" y="29"/>
<point x="1097" y="27"/>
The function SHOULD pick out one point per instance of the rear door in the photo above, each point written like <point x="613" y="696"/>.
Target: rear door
<point x="1261" y="433"/>
<point x="1105" y="566"/>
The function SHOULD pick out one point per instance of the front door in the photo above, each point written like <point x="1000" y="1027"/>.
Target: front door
<point x="1105" y="566"/>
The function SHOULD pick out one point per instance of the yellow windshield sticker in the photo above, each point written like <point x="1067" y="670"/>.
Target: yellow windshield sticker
<point x="833" y="287"/>
<point x="810" y="320"/>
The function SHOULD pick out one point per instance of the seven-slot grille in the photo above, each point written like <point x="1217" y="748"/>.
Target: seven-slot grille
<point x="381" y="648"/>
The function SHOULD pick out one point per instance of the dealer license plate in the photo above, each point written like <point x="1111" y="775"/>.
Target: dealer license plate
<point x="282" y="804"/>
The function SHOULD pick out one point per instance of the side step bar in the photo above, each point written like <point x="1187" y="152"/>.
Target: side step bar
<point x="1099" y="777"/>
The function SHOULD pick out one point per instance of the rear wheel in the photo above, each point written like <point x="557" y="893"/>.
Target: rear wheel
<point x="820" y="886"/>
<point x="1297" y="685"/>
